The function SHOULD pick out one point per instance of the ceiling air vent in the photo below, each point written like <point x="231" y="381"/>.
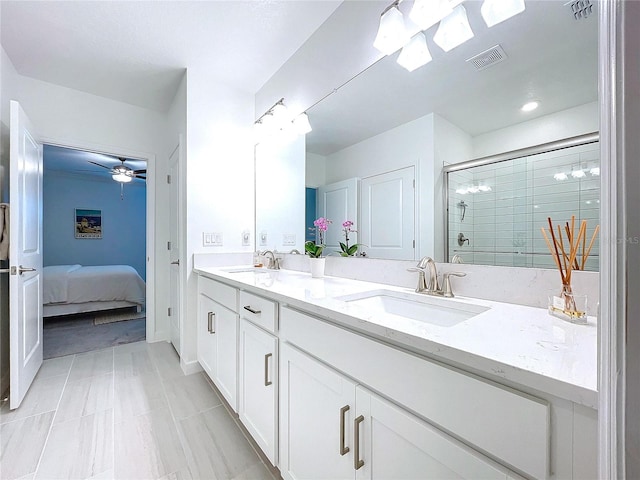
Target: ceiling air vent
<point x="581" y="9"/>
<point x="488" y="58"/>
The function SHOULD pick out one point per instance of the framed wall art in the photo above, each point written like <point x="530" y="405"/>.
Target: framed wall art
<point x="88" y="223"/>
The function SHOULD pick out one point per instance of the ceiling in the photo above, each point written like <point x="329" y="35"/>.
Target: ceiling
<point x="551" y="57"/>
<point x="137" y="51"/>
<point x="67" y="160"/>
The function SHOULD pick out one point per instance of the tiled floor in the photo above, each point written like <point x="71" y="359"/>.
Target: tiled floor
<point x="126" y="412"/>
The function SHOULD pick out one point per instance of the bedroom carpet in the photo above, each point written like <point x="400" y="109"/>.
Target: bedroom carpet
<point x="119" y="315"/>
<point x="78" y="334"/>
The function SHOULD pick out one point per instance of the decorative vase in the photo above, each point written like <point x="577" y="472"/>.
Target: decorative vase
<point x="569" y="306"/>
<point x="317" y="267"/>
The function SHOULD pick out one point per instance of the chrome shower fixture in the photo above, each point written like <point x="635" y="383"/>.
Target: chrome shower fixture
<point x="463" y="206"/>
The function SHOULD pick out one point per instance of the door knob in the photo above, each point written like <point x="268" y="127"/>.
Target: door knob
<point x="20" y="270"/>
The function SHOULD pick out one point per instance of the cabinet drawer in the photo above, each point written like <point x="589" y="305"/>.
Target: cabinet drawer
<point x="509" y="425"/>
<point x="221" y="293"/>
<point x="261" y="311"/>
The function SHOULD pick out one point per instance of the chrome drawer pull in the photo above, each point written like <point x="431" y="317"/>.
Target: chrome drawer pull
<point x="210" y="319"/>
<point x="255" y="312"/>
<point x="357" y="463"/>
<point x="267" y="382"/>
<point x="343" y="449"/>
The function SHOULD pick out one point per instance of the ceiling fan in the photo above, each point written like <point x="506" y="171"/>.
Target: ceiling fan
<point x="122" y="173"/>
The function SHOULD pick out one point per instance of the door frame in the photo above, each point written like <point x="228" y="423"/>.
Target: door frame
<point x="151" y="334"/>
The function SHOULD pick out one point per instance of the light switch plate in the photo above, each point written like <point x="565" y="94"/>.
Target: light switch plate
<point x="288" y="239"/>
<point x="264" y="239"/>
<point x="246" y="238"/>
<point x="212" y="239"/>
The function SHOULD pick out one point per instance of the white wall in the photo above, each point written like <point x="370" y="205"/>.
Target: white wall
<point x="280" y="193"/>
<point x="568" y="123"/>
<point x="315" y="170"/>
<point x="219" y="180"/>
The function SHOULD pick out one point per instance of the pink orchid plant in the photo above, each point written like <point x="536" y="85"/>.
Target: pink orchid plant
<point x="321" y="225"/>
<point x="348" y="251"/>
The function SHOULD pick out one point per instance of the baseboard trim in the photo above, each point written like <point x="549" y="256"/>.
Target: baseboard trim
<point x="190" y="367"/>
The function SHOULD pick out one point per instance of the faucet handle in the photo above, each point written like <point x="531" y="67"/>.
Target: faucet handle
<point x="422" y="281"/>
<point x="446" y="289"/>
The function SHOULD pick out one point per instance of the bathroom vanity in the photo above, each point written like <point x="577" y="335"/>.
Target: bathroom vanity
<point x="338" y="378"/>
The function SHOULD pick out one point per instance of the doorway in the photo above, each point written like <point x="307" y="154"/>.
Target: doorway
<point x="95" y="246"/>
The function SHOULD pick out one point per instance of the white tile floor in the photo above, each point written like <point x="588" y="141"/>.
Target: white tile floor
<point x="126" y="412"/>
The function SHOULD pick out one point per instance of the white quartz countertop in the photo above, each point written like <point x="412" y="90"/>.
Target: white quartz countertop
<point x="520" y="344"/>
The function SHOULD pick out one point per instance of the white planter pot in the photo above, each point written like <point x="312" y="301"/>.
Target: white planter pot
<point x="317" y="267"/>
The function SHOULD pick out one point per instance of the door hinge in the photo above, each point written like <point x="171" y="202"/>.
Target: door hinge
<point x="169" y="179"/>
<point x="414" y="244"/>
<point x="168" y="245"/>
<point x="414" y="183"/>
<point x="169" y="311"/>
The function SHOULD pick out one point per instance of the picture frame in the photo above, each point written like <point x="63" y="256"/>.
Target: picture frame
<point x="88" y="223"/>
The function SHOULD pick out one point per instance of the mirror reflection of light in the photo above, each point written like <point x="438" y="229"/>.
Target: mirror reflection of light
<point x="529" y="107"/>
<point x="560" y="176"/>
<point x="595" y="171"/>
<point x="578" y="174"/>
<point x="496" y="11"/>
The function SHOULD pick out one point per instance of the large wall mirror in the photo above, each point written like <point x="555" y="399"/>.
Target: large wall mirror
<point x="380" y="142"/>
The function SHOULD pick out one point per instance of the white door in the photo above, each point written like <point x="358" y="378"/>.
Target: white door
<point x="395" y="445"/>
<point x="387" y="220"/>
<point x="174" y="249"/>
<point x="25" y="255"/>
<point x="338" y="202"/>
<point x="258" y="386"/>
<point x="317" y="407"/>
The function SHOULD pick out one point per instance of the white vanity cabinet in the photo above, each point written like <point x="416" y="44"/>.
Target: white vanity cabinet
<point x="258" y="372"/>
<point x="218" y="336"/>
<point x="335" y="428"/>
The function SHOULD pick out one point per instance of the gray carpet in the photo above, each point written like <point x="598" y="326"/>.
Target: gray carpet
<point x="77" y="334"/>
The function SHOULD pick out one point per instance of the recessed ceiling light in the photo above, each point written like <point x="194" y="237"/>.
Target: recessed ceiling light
<point x="530" y="106"/>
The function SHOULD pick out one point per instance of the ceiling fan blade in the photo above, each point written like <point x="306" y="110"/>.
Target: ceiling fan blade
<point x="141" y="177"/>
<point x="103" y="166"/>
<point x="140" y="171"/>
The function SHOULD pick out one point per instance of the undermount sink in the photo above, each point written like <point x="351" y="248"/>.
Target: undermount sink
<point x="443" y="312"/>
<point x="246" y="269"/>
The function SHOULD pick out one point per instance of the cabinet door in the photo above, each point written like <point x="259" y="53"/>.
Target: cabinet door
<point x="206" y="339"/>
<point x="258" y="386"/>
<point x="225" y="377"/>
<point x="395" y="445"/>
<point x="317" y="407"/>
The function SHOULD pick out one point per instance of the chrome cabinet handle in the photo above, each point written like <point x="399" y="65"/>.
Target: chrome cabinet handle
<point x="343" y="449"/>
<point x="267" y="382"/>
<point x="211" y="316"/>
<point x="255" y="312"/>
<point x="357" y="462"/>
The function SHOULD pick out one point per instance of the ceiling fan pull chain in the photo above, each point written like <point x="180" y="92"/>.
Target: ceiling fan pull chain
<point x="122" y="191"/>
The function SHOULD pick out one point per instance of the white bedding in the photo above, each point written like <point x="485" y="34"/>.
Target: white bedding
<point x="105" y="283"/>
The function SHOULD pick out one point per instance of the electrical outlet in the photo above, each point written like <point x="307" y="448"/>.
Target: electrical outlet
<point x="288" y="239"/>
<point x="217" y="239"/>
<point x="246" y="238"/>
<point x="264" y="239"/>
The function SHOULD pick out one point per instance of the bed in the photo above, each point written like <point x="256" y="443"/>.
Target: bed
<point x="69" y="289"/>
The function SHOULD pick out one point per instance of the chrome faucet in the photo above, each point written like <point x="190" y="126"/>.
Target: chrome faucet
<point x="432" y="286"/>
<point x="274" y="263"/>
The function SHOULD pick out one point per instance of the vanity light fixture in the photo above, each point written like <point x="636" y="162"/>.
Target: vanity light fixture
<point x="595" y="171"/>
<point x="529" y="106"/>
<point x="560" y="176"/>
<point x="426" y="13"/>
<point x="415" y="54"/>
<point x="453" y="30"/>
<point x="462" y="191"/>
<point x="392" y="34"/>
<point x="301" y="124"/>
<point x="496" y="11"/>
<point x="484" y="188"/>
<point x="277" y="121"/>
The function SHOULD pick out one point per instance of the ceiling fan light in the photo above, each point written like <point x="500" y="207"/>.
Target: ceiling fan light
<point x="121" y="177"/>
<point x="392" y="34"/>
<point x="496" y="11"/>
<point x="426" y="13"/>
<point x="453" y="30"/>
<point x="301" y="124"/>
<point x="415" y="54"/>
